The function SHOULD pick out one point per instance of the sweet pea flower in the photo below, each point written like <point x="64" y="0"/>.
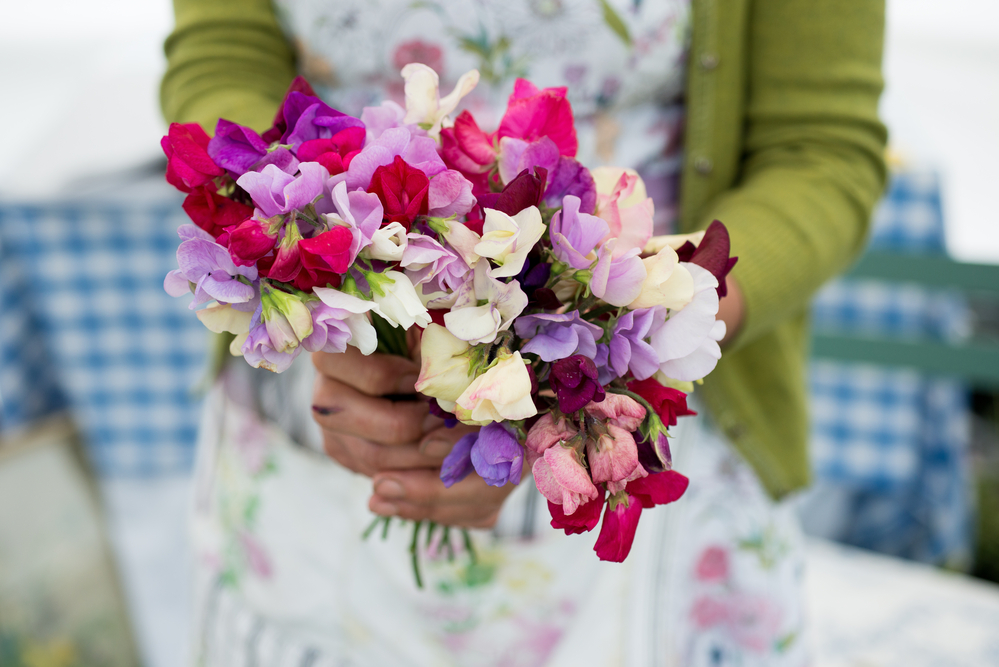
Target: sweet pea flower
<point x="532" y="113"/>
<point x="687" y="342"/>
<point x="584" y="519"/>
<point x="387" y="244"/>
<point x="522" y="192"/>
<point x="574" y="380"/>
<point x="622" y="411"/>
<point x="280" y="124"/>
<point x="307" y="117"/>
<point x="617" y="532"/>
<point x="613" y="458"/>
<point x="239" y="149"/>
<point x="493" y="453"/>
<point x="659" y="489"/>
<point x="501" y="304"/>
<point x="326" y="256"/>
<point x="214" y="213"/>
<point x="571" y="178"/>
<point x="501" y="393"/>
<point x="565" y="176"/>
<point x="623" y="203"/>
<point x="654" y="453"/>
<point x="188" y="164"/>
<point x="276" y="193"/>
<point x="460" y="238"/>
<point x="403" y="191"/>
<point x="561" y="478"/>
<point x="287" y="319"/>
<point x="444" y="368"/>
<point x="557" y="336"/>
<point x="359" y="211"/>
<point x="418" y="152"/>
<point x="469" y="150"/>
<point x="712" y="253"/>
<point x="506" y="240"/>
<point x="617" y="280"/>
<point x="516" y="155"/>
<point x="336" y="152"/>
<point x="258" y="350"/>
<point x="450" y="194"/>
<point x="345" y="321"/>
<point x="575" y="235"/>
<point x="428" y="262"/>
<point x="628" y="350"/>
<point x="388" y="115"/>
<point x="548" y="431"/>
<point x="397" y="299"/>
<point x="251" y="240"/>
<point x="288" y="259"/>
<point x="222" y="317"/>
<point x="668" y="403"/>
<point x="667" y="282"/>
<point x="424" y="106"/>
<point x="208" y="267"/>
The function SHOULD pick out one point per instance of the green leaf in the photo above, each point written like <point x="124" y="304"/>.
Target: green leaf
<point x="614" y="22"/>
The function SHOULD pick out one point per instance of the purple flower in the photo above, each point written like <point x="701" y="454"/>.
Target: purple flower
<point x="565" y="175"/>
<point x="494" y="453"/>
<point x="556" y="337"/>
<point x="652" y="454"/>
<point x="308" y="118"/>
<point x="574" y="380"/>
<point x="575" y="235"/>
<point x="275" y="192"/>
<point x="210" y="268"/>
<point x="330" y="331"/>
<point x="427" y="261"/>
<point x="570" y="178"/>
<point x="618" y="280"/>
<point x="387" y="116"/>
<point x="239" y="149"/>
<point x="259" y="352"/>
<point x="628" y="349"/>
<point x="520" y="193"/>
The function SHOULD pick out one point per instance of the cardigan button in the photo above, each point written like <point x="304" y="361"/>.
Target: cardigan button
<point x="708" y="61"/>
<point x="703" y="165"/>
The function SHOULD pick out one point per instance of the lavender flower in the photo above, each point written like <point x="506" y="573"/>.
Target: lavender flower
<point x="556" y="337"/>
<point x="209" y="267"/>
<point x="575" y="235"/>
<point x="628" y="349"/>
<point x="494" y="453"/>
<point x="275" y="192"/>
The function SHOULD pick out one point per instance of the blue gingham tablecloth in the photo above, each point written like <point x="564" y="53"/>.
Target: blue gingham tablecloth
<point x="894" y="442"/>
<point x="86" y="326"/>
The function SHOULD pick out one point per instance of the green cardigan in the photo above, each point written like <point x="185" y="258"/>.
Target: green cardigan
<point x="783" y="145"/>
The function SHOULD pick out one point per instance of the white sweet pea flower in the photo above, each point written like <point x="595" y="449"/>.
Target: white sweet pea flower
<point x="424" y="105"/>
<point x="219" y="317"/>
<point x="507" y="240"/>
<point x="444" y="369"/>
<point x="692" y="331"/>
<point x="387" y="244"/>
<point x="459" y="238"/>
<point x="667" y="282"/>
<point x="476" y="324"/>
<point x="503" y="392"/>
<point x="396" y="299"/>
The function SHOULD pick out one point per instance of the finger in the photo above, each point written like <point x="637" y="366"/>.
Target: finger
<point x="340" y="408"/>
<point x="374" y="375"/>
<point x="420" y="494"/>
<point x="369" y="458"/>
<point x="440" y="441"/>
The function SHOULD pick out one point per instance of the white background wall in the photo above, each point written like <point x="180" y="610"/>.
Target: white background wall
<point x="78" y="82"/>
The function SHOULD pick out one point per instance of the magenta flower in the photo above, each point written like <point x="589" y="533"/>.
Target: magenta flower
<point x="574" y="380"/>
<point x="417" y="152"/>
<point x="617" y="533"/>
<point x="239" y="149"/>
<point x="308" y="117"/>
<point x="188" y="164"/>
<point x="336" y="152"/>
<point x="469" y="150"/>
<point x="250" y="241"/>
<point x="668" y="403"/>
<point x="275" y="192"/>
<point x="493" y="453"/>
<point x="570" y="178"/>
<point x="584" y="519"/>
<point x="554" y="337"/>
<point x="658" y="489"/>
<point x="575" y="235"/>
<point x="628" y="349"/>
<point x="532" y="113"/>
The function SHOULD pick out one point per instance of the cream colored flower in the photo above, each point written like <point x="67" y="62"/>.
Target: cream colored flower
<point x="503" y="392"/>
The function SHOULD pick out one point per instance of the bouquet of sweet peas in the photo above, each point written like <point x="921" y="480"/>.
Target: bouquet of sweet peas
<point x="550" y="315"/>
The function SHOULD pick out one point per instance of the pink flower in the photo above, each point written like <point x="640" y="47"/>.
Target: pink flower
<point x="562" y="479"/>
<point x="336" y="152"/>
<point x="614" y="459"/>
<point x="622" y="411"/>
<point x="622" y="202"/>
<point x="326" y="255"/>
<point x="418" y="51"/>
<point x="545" y="433"/>
<point x="532" y="113"/>
<point x="617" y="533"/>
<point x="713" y="564"/>
<point x="469" y="150"/>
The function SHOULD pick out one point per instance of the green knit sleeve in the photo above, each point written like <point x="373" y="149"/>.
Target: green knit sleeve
<point x="813" y="161"/>
<point x="225" y="58"/>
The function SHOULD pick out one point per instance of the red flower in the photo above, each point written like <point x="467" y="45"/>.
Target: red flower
<point x="403" y="191"/>
<point x="668" y="403"/>
<point x="250" y="241"/>
<point x="324" y="257"/>
<point x="188" y="163"/>
<point x="213" y="212"/>
<point x="712" y="253"/>
<point x="618" y="529"/>
<point x="661" y="488"/>
<point x="336" y="152"/>
<point x="584" y="519"/>
<point x="532" y="113"/>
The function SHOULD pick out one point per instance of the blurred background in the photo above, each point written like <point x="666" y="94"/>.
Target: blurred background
<point x="99" y="367"/>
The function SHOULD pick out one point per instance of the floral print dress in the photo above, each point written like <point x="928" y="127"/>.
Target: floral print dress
<point x="284" y="577"/>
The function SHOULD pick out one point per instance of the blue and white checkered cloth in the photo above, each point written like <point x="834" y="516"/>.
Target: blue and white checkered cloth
<point x="85" y="325"/>
<point x="894" y="441"/>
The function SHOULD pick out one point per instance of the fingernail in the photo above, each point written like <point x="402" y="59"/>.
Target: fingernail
<point x="389" y="488"/>
<point x="406" y="384"/>
<point x="325" y="411"/>
<point x="383" y="508"/>
<point x="436" y="448"/>
<point x="432" y="423"/>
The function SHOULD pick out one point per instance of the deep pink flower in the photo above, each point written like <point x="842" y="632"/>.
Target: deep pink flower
<point x="287" y="260"/>
<point x="668" y="403"/>
<point x="213" y="212"/>
<point x="712" y="565"/>
<point x="659" y="489"/>
<point x="617" y="533"/>
<point x="326" y="255"/>
<point x="469" y="150"/>
<point x="336" y="152"/>
<point x="712" y="253"/>
<point x="574" y="380"/>
<point x="403" y="191"/>
<point x="188" y="164"/>
<point x="584" y="519"/>
<point x="533" y="113"/>
<point x="250" y="241"/>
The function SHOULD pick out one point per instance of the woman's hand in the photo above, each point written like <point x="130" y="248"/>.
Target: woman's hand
<point x="396" y="442"/>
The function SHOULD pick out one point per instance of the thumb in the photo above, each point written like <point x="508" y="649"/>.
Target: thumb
<point x="438" y="443"/>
